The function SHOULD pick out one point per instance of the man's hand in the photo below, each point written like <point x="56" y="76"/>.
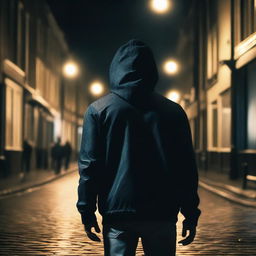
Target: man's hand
<point x="90" y="234"/>
<point x="190" y="238"/>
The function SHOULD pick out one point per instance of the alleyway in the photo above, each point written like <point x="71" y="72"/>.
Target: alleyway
<point x="45" y="222"/>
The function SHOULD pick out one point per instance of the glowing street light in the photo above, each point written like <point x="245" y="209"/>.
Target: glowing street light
<point x="96" y="88"/>
<point x="160" y="6"/>
<point x="173" y="95"/>
<point x="70" y="69"/>
<point x="171" y="67"/>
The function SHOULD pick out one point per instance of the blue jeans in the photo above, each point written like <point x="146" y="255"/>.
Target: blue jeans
<point x="158" y="238"/>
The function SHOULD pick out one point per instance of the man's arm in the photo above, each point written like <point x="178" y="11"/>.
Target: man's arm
<point x="88" y="164"/>
<point x="188" y="183"/>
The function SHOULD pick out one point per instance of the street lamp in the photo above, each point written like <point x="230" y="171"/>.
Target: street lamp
<point x="171" y="67"/>
<point x="70" y="69"/>
<point x="173" y="95"/>
<point x="96" y="88"/>
<point x="160" y="6"/>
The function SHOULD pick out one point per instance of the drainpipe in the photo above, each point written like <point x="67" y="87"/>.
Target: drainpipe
<point x="233" y="173"/>
<point x="3" y="169"/>
<point x="233" y="170"/>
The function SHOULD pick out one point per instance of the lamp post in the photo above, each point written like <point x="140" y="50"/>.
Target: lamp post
<point x="70" y="71"/>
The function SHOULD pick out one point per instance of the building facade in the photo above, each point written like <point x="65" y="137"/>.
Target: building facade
<point x="38" y="104"/>
<point x="224" y="85"/>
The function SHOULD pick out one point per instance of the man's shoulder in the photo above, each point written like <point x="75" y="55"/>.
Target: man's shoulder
<point x="102" y="102"/>
<point x="167" y="104"/>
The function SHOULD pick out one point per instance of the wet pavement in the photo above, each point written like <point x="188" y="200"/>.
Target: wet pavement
<point x="45" y="222"/>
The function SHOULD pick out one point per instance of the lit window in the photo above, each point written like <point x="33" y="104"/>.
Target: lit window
<point x="226" y="119"/>
<point x="13" y="125"/>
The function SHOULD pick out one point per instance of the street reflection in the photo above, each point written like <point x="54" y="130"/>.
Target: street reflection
<point x="46" y="222"/>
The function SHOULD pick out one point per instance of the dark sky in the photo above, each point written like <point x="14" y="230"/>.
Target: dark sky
<point x="95" y="29"/>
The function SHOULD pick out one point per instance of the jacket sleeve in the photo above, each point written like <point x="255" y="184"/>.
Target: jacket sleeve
<point x="188" y="179"/>
<point x="88" y="164"/>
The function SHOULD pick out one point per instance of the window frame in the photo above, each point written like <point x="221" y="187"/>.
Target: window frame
<point x="14" y="123"/>
<point x="244" y="19"/>
<point x="216" y="104"/>
<point x="212" y="42"/>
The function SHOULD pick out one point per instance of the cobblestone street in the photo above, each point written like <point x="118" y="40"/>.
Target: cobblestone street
<point x="46" y="222"/>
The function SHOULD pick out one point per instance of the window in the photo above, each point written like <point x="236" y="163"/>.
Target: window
<point x="21" y="36"/>
<point x="10" y="10"/>
<point x="212" y="40"/>
<point x="13" y="125"/>
<point x="251" y="113"/>
<point x="226" y="119"/>
<point x="29" y="122"/>
<point x="245" y="19"/>
<point x="41" y="38"/>
<point x="27" y="43"/>
<point x="219" y="122"/>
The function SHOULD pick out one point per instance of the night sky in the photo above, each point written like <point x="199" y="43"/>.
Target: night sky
<point x="95" y="29"/>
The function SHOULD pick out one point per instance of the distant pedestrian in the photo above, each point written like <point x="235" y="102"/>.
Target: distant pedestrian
<point x="137" y="161"/>
<point x="52" y="155"/>
<point x="26" y="156"/>
<point x="67" y="150"/>
<point x="57" y="155"/>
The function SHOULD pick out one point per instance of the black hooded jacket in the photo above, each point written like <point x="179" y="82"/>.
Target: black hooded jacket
<point x="136" y="154"/>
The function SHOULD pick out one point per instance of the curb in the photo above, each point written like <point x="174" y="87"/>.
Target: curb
<point x="227" y="193"/>
<point x="11" y="192"/>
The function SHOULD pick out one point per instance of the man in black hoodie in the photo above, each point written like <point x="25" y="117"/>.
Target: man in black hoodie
<point x="137" y="162"/>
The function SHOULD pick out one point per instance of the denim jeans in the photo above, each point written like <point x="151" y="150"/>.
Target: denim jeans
<point x="158" y="238"/>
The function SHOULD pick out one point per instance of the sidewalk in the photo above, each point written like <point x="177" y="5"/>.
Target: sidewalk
<point x="35" y="178"/>
<point x="220" y="184"/>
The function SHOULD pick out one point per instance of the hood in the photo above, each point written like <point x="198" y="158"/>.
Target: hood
<point x="133" y="71"/>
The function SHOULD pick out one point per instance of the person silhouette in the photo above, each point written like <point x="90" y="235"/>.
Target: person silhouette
<point x="67" y="151"/>
<point x="26" y="156"/>
<point x="57" y="156"/>
<point x="136" y="162"/>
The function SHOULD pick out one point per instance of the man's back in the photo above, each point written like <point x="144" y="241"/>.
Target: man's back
<point x="142" y="157"/>
<point x="136" y="153"/>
